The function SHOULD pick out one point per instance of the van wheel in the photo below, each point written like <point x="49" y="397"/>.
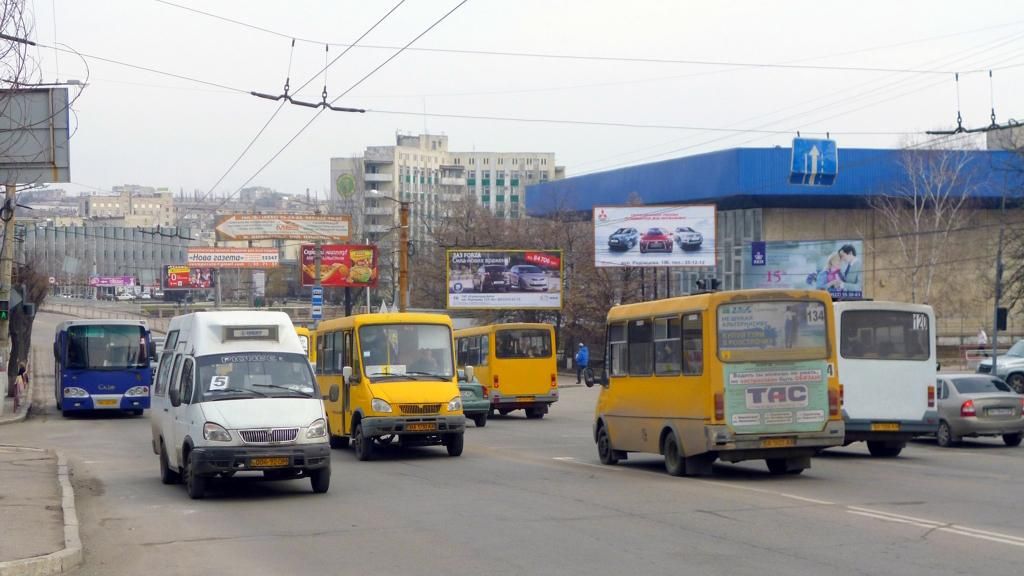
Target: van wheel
<point x="195" y="484"/>
<point x="167" y="476"/>
<point x="454" y="444"/>
<point x="885" y="449"/>
<point x="604" y="448"/>
<point x="361" y="445"/>
<point x="320" y="479"/>
<point x="675" y="464"/>
<point x="1013" y="439"/>
<point x="534" y="413"/>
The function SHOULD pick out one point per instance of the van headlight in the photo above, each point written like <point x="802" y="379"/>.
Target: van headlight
<point x="455" y="404"/>
<point x="215" y="433"/>
<point x="75" y="392"/>
<point x="317" y="429"/>
<point x="378" y="405"/>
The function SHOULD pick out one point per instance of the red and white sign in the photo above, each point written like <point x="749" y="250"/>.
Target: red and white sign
<point x="201" y="256"/>
<point x="283" y="227"/>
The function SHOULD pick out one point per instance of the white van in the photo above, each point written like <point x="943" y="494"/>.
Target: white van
<point x="234" y="393"/>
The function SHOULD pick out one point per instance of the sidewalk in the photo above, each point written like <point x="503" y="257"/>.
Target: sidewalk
<point x="39" y="531"/>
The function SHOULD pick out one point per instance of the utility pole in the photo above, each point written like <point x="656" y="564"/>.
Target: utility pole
<point x="998" y="295"/>
<point x="403" y="257"/>
<point x="6" y="259"/>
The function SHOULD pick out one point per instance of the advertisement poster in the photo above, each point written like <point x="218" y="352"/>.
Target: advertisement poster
<point x="353" y="266"/>
<point x="833" y="265"/>
<point x="186" y="278"/>
<point x="118" y="281"/>
<point x="760" y="399"/>
<point x="518" y="279"/>
<point x="215" y="257"/>
<point x="654" y="236"/>
<point x="283" y="227"/>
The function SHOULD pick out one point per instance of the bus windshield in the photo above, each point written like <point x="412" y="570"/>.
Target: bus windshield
<point x="254" y="374"/>
<point x="523" y="344"/>
<point x="107" y="347"/>
<point x="769" y="331"/>
<point x="885" y="335"/>
<point x="406" y="349"/>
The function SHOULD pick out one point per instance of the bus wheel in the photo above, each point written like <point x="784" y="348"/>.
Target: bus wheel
<point x="339" y="441"/>
<point x="675" y="464"/>
<point x="885" y="449"/>
<point x="534" y="413"/>
<point x="454" y="444"/>
<point x="604" y="448"/>
<point x="776" y="465"/>
<point x="361" y="445"/>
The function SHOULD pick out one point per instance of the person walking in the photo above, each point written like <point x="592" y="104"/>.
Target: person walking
<point x="582" y="360"/>
<point x="20" y="385"/>
<point x="982" y="339"/>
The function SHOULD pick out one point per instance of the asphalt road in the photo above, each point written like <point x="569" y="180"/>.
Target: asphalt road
<point x="530" y="497"/>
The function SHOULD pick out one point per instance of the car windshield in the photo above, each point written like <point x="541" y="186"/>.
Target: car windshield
<point x="979" y="385"/>
<point x="255" y="374"/>
<point x="493" y="269"/>
<point x="621" y="231"/>
<point x="406" y="349"/>
<point x="772" y="331"/>
<point x="529" y="270"/>
<point x="654" y="232"/>
<point x="1016" y="350"/>
<point x="106" y="347"/>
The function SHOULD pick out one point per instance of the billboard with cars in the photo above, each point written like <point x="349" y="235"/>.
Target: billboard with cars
<point x="517" y="279"/>
<point x="654" y="235"/>
<point x="833" y="265"/>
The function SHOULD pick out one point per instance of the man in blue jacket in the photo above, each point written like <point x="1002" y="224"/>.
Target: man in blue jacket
<point x="582" y="359"/>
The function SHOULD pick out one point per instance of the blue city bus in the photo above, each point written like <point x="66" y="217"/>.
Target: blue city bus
<point x="102" y="365"/>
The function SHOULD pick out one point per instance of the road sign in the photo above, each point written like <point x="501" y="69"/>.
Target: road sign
<point x="52" y="280"/>
<point x="758" y="253"/>
<point x="814" y="163"/>
<point x="316" y="312"/>
<point x="4" y="307"/>
<point x="283" y="227"/>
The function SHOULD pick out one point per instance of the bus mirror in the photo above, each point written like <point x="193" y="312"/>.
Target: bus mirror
<point x="346" y="373"/>
<point x="588" y="377"/>
<point x="334" y="395"/>
<point x="469" y="373"/>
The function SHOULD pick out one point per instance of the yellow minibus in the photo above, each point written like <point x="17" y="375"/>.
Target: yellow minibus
<point x="307" y="338"/>
<point x="515" y="362"/>
<point x="736" y="375"/>
<point x="390" y="378"/>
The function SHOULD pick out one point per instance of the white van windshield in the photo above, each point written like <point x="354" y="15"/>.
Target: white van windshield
<point x="255" y="375"/>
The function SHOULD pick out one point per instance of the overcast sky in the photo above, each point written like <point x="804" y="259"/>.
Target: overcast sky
<point x="146" y="128"/>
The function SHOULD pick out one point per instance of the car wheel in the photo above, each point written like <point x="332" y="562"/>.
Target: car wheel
<point x="522" y="285"/>
<point x="944" y="435"/>
<point x="480" y="420"/>
<point x="195" y="484"/>
<point x="454" y="444"/>
<point x="167" y="476"/>
<point x="361" y="445"/>
<point x="320" y="479"/>
<point x="675" y="464"/>
<point x="1016" y="381"/>
<point x="885" y="449"/>
<point x="1013" y="439"/>
<point x="604" y="448"/>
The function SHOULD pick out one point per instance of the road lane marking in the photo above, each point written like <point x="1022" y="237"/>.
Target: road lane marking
<point x="957" y="529"/>
<point x="572" y="460"/>
<point x="805" y="499"/>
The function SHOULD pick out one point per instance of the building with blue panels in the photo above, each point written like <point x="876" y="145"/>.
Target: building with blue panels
<point x="758" y="206"/>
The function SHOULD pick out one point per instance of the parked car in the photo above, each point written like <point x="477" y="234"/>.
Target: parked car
<point x="476" y="404"/>
<point x="124" y="297"/>
<point x="623" y="239"/>
<point x="688" y="239"/>
<point x="1009" y="367"/>
<point x="528" y="277"/>
<point x="978" y="405"/>
<point x="656" y="240"/>
<point x="146" y="296"/>
<point x="491" y="278"/>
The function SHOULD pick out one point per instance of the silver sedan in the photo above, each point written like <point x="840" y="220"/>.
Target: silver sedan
<point x="978" y="405"/>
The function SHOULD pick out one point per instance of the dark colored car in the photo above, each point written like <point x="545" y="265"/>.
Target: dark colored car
<point x="491" y="278"/>
<point x="623" y="239"/>
<point x="656" y="240"/>
<point x="476" y="404"/>
<point x="688" y="239"/>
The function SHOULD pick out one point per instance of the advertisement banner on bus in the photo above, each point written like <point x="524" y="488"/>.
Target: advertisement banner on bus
<point x="516" y="279"/>
<point x="341" y="265"/>
<point x="654" y="236"/>
<point x="833" y="265"/>
<point x="187" y="278"/>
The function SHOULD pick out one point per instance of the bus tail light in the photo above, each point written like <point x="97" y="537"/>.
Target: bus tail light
<point x="719" y="406"/>
<point x="554" y="381"/>
<point x="842" y="396"/>
<point x="496" y="381"/>
<point x="931" y="396"/>
<point x="967" y="409"/>
<point x="833" y="402"/>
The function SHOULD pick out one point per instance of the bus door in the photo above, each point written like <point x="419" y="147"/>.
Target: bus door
<point x="345" y="359"/>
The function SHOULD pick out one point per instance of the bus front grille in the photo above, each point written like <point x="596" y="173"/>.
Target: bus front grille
<point x="420" y="408"/>
<point x="269" y="435"/>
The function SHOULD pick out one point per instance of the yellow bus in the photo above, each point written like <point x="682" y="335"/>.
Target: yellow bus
<point x="307" y="338"/>
<point x="390" y="378"/>
<point x="515" y="362"/>
<point x="737" y="375"/>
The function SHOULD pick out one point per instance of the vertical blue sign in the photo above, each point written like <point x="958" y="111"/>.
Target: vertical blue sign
<point x="814" y="162"/>
<point x="317" y="303"/>
<point x="758" y="253"/>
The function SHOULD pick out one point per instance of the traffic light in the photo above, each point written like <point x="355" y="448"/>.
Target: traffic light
<point x="1001" y="318"/>
<point x="709" y="284"/>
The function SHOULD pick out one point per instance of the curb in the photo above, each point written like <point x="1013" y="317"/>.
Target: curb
<point x="62" y="560"/>
<point x="22" y="412"/>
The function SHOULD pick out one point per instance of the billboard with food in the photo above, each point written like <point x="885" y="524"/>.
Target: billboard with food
<point x="517" y="279"/>
<point x="342" y="265"/>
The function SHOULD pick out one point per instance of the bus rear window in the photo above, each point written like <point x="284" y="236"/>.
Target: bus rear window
<point x="885" y="335"/>
<point x="768" y="331"/>
<point x="106" y="347"/>
<point x="523" y="344"/>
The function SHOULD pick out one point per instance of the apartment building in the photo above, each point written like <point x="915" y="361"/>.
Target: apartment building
<point x="131" y="206"/>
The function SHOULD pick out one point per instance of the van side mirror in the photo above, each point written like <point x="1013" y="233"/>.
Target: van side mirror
<point x="938" y="366"/>
<point x="469" y="373"/>
<point x="334" y="394"/>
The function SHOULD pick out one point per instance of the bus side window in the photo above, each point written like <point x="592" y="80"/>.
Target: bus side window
<point x="321" y="361"/>
<point x="640" y="347"/>
<point x="617" y="351"/>
<point x="187" y="382"/>
<point x="460" y="350"/>
<point x="485" y="351"/>
<point x="667" y="350"/>
<point x="693" y="345"/>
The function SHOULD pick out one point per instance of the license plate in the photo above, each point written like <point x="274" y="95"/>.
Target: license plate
<point x="106" y="402"/>
<point x="421" y="427"/>
<point x="885" y="426"/>
<point x="1000" y="411"/>
<point x="778" y="442"/>
<point x="527" y="399"/>
<point x="467" y="394"/>
<point x="269" y="462"/>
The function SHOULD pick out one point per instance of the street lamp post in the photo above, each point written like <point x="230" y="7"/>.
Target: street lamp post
<point x="403" y="249"/>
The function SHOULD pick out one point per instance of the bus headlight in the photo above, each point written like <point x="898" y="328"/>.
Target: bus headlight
<point x="318" y="429"/>
<point x="455" y="404"/>
<point x="378" y="405"/>
<point x="216" y="433"/>
<point x="75" y="392"/>
<point x="137" y="391"/>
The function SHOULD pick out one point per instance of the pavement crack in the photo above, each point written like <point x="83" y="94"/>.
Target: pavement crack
<point x="716" y="514"/>
<point x="248" y="537"/>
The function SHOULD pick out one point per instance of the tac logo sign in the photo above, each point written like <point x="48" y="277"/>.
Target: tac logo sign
<point x="762" y="397"/>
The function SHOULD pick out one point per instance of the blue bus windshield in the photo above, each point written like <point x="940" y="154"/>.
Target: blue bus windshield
<point x="106" y="347"/>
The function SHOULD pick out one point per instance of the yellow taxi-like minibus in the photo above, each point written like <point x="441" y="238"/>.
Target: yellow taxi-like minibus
<point x="390" y="378"/>
<point x="515" y="362"/>
<point x="736" y="375"/>
<point x="307" y="338"/>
